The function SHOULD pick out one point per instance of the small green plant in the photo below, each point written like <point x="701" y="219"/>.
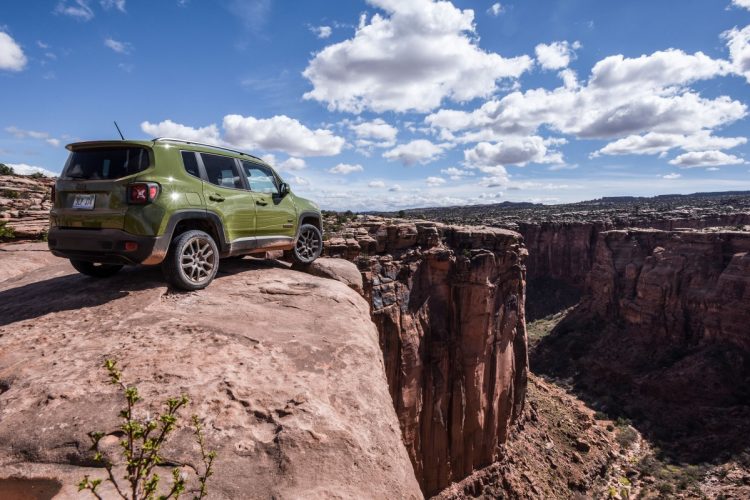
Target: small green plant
<point x="6" y="170"/>
<point x="13" y="195"/>
<point x="6" y="232"/>
<point x="141" y="445"/>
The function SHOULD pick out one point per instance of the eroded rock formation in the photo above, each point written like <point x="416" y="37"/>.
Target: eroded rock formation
<point x="663" y="335"/>
<point x="24" y="204"/>
<point x="284" y="367"/>
<point x="448" y="302"/>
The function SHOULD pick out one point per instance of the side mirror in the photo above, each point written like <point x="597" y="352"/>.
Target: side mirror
<point x="284" y="189"/>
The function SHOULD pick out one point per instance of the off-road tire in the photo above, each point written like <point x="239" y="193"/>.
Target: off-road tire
<point x="308" y="246"/>
<point x="192" y="261"/>
<point x="95" y="270"/>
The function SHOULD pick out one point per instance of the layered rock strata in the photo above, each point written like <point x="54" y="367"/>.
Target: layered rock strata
<point x="561" y="253"/>
<point x="24" y="205"/>
<point x="663" y="329"/>
<point x="448" y="302"/>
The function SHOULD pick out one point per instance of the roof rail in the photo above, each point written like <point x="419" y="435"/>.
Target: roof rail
<point x="183" y="141"/>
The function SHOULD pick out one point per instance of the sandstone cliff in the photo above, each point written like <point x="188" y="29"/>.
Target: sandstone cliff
<point x="24" y="204"/>
<point x="284" y="367"/>
<point x="662" y="336"/>
<point x="448" y="302"/>
<point x="561" y="253"/>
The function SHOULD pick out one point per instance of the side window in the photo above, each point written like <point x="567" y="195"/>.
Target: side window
<point x="260" y="178"/>
<point x="222" y="171"/>
<point x="190" y="163"/>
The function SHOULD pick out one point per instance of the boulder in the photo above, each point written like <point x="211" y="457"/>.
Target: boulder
<point x="336" y="269"/>
<point x="283" y="367"/>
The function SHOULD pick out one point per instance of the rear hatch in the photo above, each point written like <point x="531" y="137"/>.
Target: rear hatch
<point x="91" y="191"/>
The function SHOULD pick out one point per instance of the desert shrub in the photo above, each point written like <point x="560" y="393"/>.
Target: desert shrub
<point x="141" y="445"/>
<point x="626" y="436"/>
<point x="6" y="232"/>
<point x="6" y="170"/>
<point x="13" y="195"/>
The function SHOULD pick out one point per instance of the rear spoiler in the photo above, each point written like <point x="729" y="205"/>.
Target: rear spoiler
<point x="100" y="144"/>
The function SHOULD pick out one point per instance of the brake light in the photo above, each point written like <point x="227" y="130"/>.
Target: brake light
<point x="141" y="193"/>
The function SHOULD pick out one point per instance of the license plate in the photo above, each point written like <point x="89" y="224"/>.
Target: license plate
<point x="84" y="201"/>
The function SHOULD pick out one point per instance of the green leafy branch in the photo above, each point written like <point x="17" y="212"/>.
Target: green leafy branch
<point x="141" y="447"/>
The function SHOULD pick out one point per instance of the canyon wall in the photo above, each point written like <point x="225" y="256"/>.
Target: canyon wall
<point x="448" y="303"/>
<point x="664" y="329"/>
<point x="561" y="253"/>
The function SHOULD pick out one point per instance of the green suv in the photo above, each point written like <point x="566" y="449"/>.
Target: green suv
<point x="180" y="204"/>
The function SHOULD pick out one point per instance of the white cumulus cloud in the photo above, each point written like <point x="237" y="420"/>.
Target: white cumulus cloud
<point x="345" y="169"/>
<point x="376" y="184"/>
<point x="705" y="159"/>
<point x="376" y="129"/>
<point x="12" y="57"/>
<point x="168" y="128"/>
<point x="495" y="9"/>
<point x="738" y="42"/>
<point x="434" y="181"/>
<point x="556" y="55"/>
<point x="623" y="96"/>
<point x="413" y="57"/>
<point x="656" y="143"/>
<point x="518" y="151"/>
<point x="671" y="176"/>
<point x="417" y="151"/>
<point x="280" y="133"/>
<point x="321" y="31"/>
<point x="292" y="164"/>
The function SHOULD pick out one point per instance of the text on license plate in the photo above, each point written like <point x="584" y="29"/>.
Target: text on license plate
<point x="84" y="201"/>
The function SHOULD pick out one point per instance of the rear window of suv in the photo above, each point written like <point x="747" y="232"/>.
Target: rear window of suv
<point x="106" y="163"/>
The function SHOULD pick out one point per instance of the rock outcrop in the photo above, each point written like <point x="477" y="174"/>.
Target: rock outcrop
<point x="25" y="203"/>
<point x="284" y="367"/>
<point x="561" y="253"/>
<point x="448" y="302"/>
<point x="663" y="330"/>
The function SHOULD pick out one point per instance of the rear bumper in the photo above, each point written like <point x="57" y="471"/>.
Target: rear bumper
<point x="106" y="246"/>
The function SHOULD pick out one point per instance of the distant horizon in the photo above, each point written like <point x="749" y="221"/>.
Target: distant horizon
<point x="386" y="105"/>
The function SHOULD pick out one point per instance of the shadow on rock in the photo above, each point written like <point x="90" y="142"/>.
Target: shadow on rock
<point x="692" y="401"/>
<point x="76" y="291"/>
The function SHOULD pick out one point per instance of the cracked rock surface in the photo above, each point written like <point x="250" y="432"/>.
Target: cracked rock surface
<point x="283" y="367"/>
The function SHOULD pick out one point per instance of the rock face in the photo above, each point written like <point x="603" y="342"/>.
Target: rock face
<point x="24" y="204"/>
<point x="448" y="302"/>
<point x="663" y="330"/>
<point x="561" y="253"/>
<point x="284" y="368"/>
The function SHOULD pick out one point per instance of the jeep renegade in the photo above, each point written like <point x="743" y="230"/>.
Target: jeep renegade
<point x="177" y="203"/>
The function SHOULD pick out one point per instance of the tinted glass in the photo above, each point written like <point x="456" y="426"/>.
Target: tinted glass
<point x="222" y="171"/>
<point x="260" y="178"/>
<point x="191" y="164"/>
<point x="106" y="163"/>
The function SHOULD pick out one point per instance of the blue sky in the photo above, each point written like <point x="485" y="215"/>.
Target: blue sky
<point x="385" y="104"/>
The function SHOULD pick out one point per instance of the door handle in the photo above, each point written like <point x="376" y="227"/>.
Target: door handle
<point x="262" y="203"/>
<point x="215" y="197"/>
